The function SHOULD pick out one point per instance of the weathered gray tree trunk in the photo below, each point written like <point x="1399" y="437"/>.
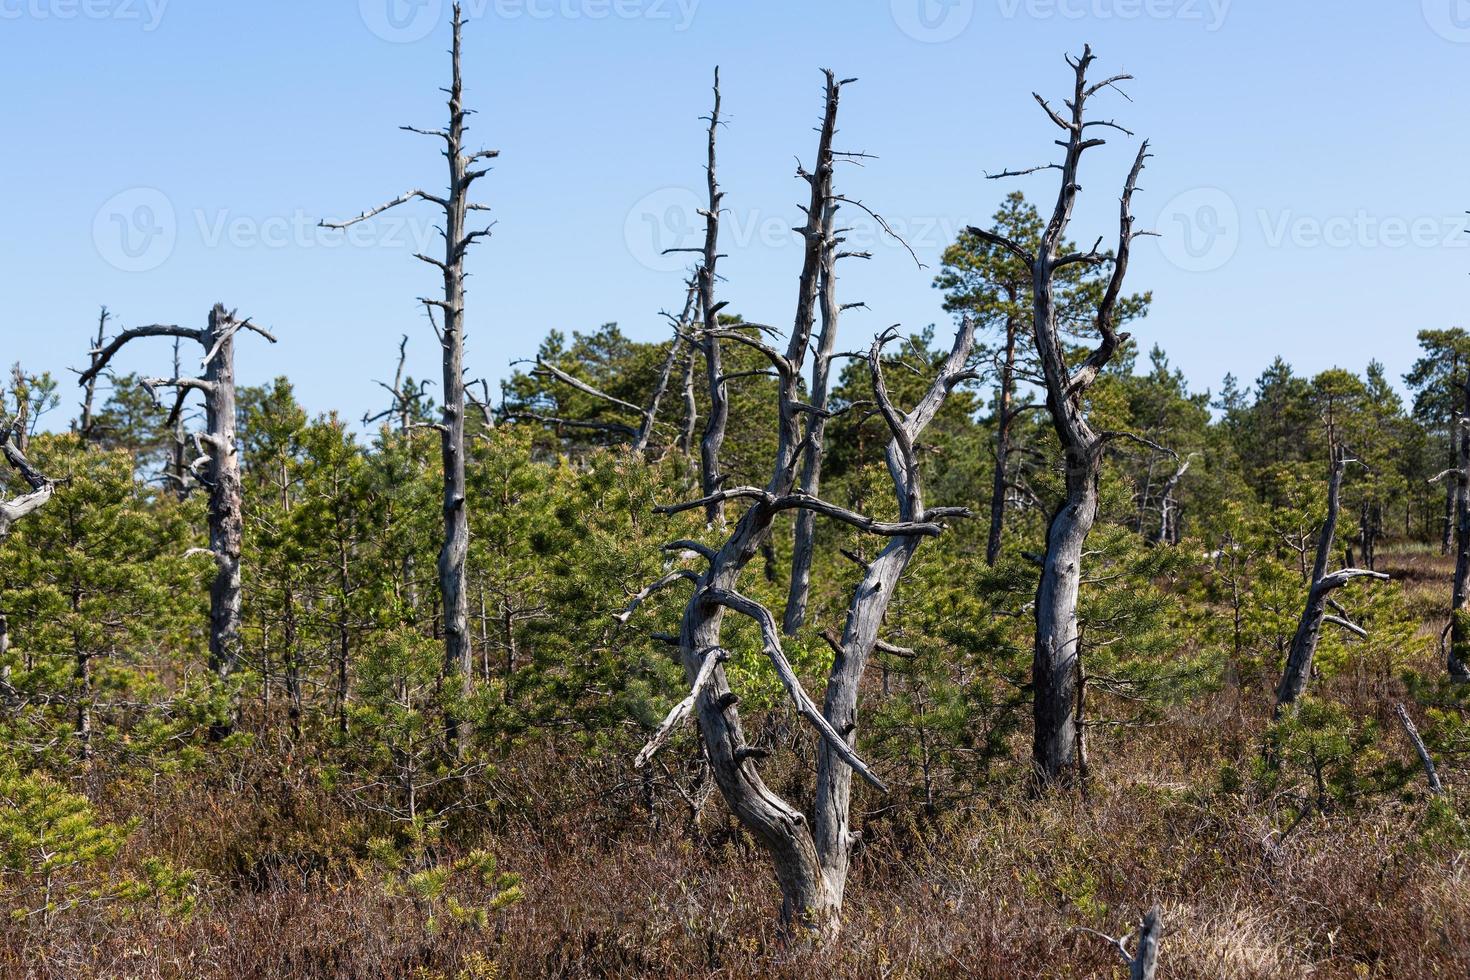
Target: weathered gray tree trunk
<point x="463" y="173"/>
<point x="869" y="605"/>
<point x="218" y="469"/>
<point x="1298" y="669"/>
<point x="811" y="890"/>
<point x="715" y="425"/>
<point x="89" y="390"/>
<point x="1054" y="662"/>
<point x="1431" y="775"/>
<point x="804" y="546"/>
<point x="1458" y="661"/>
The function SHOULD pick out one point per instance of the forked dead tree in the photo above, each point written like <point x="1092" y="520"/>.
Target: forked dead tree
<point x="1298" y="669"/>
<point x="19" y="507"/>
<point x="217" y="469"/>
<point x="810" y="860"/>
<point x="456" y="205"/>
<point x="1054" y="669"/>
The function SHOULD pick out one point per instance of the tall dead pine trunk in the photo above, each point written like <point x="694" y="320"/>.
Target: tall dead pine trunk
<point x="458" y="672"/>
<point x="1054" y="661"/>
<point x="1298" y="669"/>
<point x="218" y="469"/>
<point x="1458" y="660"/>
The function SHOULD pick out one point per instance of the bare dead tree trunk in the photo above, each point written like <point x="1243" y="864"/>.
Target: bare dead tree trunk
<point x="808" y="899"/>
<point x="1458" y="661"/>
<point x="869" y="605"/>
<point x="1143" y="961"/>
<point x="1054" y="667"/>
<point x="1005" y="417"/>
<point x="816" y="427"/>
<point x="458" y="673"/>
<point x="89" y="390"/>
<point x="1168" y="514"/>
<point x="719" y="395"/>
<point x="218" y="469"/>
<point x="1430" y="773"/>
<point x="1298" y="669"/>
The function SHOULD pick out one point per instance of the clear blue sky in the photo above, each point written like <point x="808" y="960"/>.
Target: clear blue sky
<point x="161" y="155"/>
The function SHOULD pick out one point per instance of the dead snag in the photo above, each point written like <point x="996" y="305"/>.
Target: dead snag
<point x="1412" y="731"/>
<point x="1458" y="659"/>
<point x="1143" y="962"/>
<point x="1054" y="668"/>
<point x="456" y="205"/>
<point x="816" y="425"/>
<point x="217" y="469"/>
<point x="13" y="510"/>
<point x="810" y="861"/>
<point x="1298" y="669"/>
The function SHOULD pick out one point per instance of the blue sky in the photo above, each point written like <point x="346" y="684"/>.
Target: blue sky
<point x="161" y="155"/>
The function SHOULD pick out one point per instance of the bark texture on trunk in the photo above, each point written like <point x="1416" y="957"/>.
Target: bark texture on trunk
<point x="464" y="170"/>
<point x="217" y="468"/>
<point x="1056" y="637"/>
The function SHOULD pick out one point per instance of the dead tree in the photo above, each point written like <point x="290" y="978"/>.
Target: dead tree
<point x="217" y="469"/>
<point x="1431" y="775"/>
<point x="1458" y="660"/>
<point x="816" y="425"/>
<point x="456" y="205"/>
<point x="798" y="850"/>
<point x="1169" y="511"/>
<point x="1054" y="668"/>
<point x="89" y="390"/>
<point x="1143" y="962"/>
<point x="708" y="341"/>
<point x="1298" y="669"/>
<point x="13" y="510"/>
